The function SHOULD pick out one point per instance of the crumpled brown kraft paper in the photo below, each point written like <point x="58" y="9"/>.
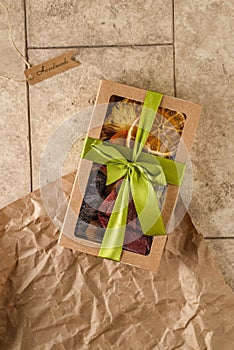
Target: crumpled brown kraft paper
<point x="55" y="298"/>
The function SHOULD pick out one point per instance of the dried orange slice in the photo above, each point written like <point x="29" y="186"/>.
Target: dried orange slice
<point x="165" y="133"/>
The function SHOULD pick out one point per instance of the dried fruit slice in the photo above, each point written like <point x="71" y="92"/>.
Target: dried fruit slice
<point x="134" y="240"/>
<point x="124" y="112"/>
<point x="122" y="115"/>
<point x="120" y="138"/>
<point x="167" y="128"/>
<point x="165" y="133"/>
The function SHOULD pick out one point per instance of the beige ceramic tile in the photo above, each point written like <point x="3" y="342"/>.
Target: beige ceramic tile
<point x="14" y="150"/>
<point x="60" y="97"/>
<point x="106" y="22"/>
<point x="223" y="252"/>
<point x="204" y="73"/>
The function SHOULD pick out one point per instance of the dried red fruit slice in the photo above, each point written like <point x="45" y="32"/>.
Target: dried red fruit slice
<point x="134" y="240"/>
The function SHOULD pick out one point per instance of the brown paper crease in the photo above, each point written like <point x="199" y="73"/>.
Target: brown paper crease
<point x="55" y="298"/>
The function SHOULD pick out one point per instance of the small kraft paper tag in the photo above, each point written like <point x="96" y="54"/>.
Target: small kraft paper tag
<point x="51" y="67"/>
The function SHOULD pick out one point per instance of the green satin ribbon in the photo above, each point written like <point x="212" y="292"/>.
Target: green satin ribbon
<point x="140" y="171"/>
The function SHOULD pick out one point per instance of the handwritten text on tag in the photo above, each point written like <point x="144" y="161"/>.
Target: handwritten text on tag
<point x="51" y="67"/>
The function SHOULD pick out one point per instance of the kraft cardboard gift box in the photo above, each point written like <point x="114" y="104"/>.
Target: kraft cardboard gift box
<point x="114" y="119"/>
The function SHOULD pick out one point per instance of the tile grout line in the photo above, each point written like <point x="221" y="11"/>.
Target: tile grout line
<point x="213" y="238"/>
<point x="28" y="98"/>
<point x="96" y="46"/>
<point x="173" y="43"/>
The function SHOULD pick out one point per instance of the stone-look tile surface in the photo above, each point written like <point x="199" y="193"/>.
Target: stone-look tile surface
<point x="106" y="22"/>
<point x="14" y="159"/>
<point x="223" y="252"/>
<point x="204" y="73"/>
<point x="62" y="96"/>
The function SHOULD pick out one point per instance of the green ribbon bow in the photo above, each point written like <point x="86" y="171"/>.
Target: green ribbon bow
<point x="140" y="172"/>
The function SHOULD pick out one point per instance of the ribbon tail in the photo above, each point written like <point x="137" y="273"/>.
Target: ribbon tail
<point x="113" y="239"/>
<point x="146" y="204"/>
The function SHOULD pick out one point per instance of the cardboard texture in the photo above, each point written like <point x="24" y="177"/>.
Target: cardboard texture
<point x="106" y="90"/>
<point x="54" y="66"/>
<point x="56" y="298"/>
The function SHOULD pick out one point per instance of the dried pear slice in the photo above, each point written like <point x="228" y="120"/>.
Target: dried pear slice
<point x="124" y="113"/>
